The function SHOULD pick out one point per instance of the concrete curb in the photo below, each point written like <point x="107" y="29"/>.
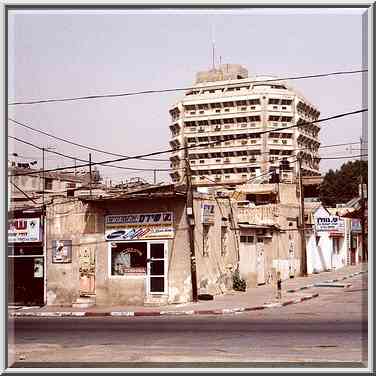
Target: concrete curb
<point x="328" y="281"/>
<point x="223" y="311"/>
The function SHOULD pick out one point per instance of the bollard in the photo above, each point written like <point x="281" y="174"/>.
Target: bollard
<point x="279" y="286"/>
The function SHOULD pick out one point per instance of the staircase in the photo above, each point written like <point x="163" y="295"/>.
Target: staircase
<point x="155" y="300"/>
<point x="84" y="302"/>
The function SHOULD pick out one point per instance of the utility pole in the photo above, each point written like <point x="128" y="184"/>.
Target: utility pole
<point x="362" y="203"/>
<point x="191" y="224"/>
<point x="43" y="175"/>
<point x="302" y="219"/>
<point x="155" y="176"/>
<point x="90" y="171"/>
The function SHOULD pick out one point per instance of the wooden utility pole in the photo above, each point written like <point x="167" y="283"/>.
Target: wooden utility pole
<point x="362" y="203"/>
<point x="43" y="175"/>
<point x="191" y="225"/>
<point x="155" y="176"/>
<point x="90" y="171"/>
<point x="302" y="219"/>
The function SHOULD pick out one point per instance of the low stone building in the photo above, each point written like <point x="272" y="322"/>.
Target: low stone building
<point x="269" y="235"/>
<point x="133" y="248"/>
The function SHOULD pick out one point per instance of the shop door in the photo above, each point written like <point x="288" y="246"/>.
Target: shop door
<point x="260" y="264"/>
<point x="156" y="268"/>
<point x="87" y="271"/>
<point x="26" y="283"/>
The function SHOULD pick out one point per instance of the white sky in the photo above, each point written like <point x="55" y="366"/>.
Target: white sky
<point x="76" y="53"/>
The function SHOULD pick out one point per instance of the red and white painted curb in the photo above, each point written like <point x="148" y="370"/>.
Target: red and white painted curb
<point x="329" y="281"/>
<point x="162" y="313"/>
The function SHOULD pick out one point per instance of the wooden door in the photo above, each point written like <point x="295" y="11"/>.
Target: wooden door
<point x="87" y="271"/>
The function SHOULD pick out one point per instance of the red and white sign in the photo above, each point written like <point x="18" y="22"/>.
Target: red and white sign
<point x="139" y="226"/>
<point x="22" y="230"/>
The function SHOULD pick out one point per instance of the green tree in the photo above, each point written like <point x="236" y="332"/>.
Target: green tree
<point x="340" y="186"/>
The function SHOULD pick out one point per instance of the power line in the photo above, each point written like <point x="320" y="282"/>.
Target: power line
<point x="162" y="170"/>
<point x="200" y="145"/>
<point x="127" y="94"/>
<point x="84" y="160"/>
<point x="75" y="143"/>
<point x="24" y="193"/>
<point x="347" y="156"/>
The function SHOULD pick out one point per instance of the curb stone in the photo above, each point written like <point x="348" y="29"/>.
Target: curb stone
<point x="161" y="313"/>
<point x="329" y="281"/>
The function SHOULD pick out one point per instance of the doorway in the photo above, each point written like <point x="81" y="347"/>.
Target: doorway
<point x="260" y="263"/>
<point x="156" y="269"/>
<point x="26" y="280"/>
<point x="87" y="271"/>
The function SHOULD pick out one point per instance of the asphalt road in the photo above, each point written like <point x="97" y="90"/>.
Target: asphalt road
<point x="330" y="328"/>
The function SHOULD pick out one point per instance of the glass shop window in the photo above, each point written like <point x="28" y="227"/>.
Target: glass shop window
<point x="128" y="258"/>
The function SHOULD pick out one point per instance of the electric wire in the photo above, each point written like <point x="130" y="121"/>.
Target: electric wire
<point x="24" y="193"/>
<point x="77" y="144"/>
<point x="199" y="145"/>
<point x="88" y="97"/>
<point x="346" y="156"/>
<point x="84" y="160"/>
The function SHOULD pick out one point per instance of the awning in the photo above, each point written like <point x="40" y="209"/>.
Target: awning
<point x="246" y="225"/>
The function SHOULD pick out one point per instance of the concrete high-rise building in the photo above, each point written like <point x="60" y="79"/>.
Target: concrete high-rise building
<point x="227" y="109"/>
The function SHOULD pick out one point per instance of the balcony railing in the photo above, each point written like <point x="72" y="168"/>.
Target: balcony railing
<point x="259" y="215"/>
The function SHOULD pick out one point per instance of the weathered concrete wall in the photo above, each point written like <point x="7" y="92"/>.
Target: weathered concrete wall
<point x="282" y="248"/>
<point x="288" y="194"/>
<point x="287" y="246"/>
<point x="214" y="271"/>
<point x="65" y="221"/>
<point x="83" y="223"/>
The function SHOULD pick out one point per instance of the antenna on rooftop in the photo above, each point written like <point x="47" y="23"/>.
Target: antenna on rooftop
<point x="213" y="47"/>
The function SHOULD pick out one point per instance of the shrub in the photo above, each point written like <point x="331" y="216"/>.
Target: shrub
<point x="238" y="283"/>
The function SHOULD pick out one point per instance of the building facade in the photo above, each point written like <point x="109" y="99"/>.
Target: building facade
<point x="29" y="191"/>
<point x="223" y="121"/>
<point x="269" y="236"/>
<point x="26" y="257"/>
<point x="134" y="249"/>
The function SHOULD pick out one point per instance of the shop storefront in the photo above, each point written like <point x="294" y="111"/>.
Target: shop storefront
<point x="26" y="262"/>
<point x="138" y="247"/>
<point x="330" y="252"/>
<point x="135" y="249"/>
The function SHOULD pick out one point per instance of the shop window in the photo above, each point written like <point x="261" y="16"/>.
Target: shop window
<point x="128" y="258"/>
<point x="206" y="241"/>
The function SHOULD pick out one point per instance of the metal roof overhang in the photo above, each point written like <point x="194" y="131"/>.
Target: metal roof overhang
<point x="247" y="225"/>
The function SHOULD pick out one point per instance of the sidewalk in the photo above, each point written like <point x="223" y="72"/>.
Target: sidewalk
<point x="294" y="291"/>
